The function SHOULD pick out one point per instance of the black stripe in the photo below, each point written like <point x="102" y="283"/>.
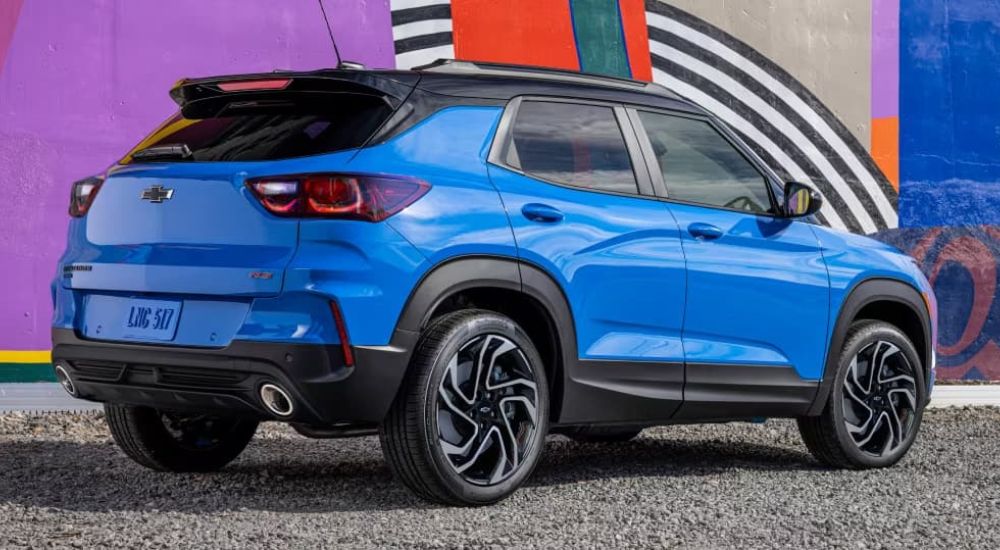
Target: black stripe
<point x="423" y="41"/>
<point x="772" y="99"/>
<point x="765" y="127"/>
<point x="788" y="81"/>
<point x="423" y="13"/>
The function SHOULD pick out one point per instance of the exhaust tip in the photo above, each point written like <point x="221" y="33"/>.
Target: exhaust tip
<point x="62" y="376"/>
<point x="276" y="400"/>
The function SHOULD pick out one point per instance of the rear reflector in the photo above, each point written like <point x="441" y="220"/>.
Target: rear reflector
<point x="337" y="196"/>
<point x="345" y="341"/>
<point x="253" y="85"/>
<point x="82" y="195"/>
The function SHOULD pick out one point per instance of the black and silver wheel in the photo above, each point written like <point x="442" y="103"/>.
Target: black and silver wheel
<point x="874" y="409"/>
<point x="176" y="442"/>
<point x="470" y="422"/>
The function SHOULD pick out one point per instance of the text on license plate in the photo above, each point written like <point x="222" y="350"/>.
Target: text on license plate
<point x="152" y="319"/>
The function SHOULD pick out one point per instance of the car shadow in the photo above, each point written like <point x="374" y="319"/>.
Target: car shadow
<point x="303" y="476"/>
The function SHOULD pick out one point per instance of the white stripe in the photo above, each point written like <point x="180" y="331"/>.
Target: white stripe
<point x="779" y="121"/>
<point x="407" y="4"/>
<point x="414" y="58"/>
<point x="418" y="28"/>
<point x="813" y="118"/>
<point x="749" y="130"/>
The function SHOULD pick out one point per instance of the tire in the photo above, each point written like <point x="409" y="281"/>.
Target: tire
<point x="463" y="440"/>
<point x="171" y="442"/>
<point x="872" y="416"/>
<point x="602" y="434"/>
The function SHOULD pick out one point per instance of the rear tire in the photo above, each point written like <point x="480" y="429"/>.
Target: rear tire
<point x="469" y="423"/>
<point x="172" y="442"/>
<point x="873" y="413"/>
<point x="602" y="434"/>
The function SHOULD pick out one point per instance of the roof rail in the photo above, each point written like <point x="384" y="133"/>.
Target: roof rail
<point x="455" y="66"/>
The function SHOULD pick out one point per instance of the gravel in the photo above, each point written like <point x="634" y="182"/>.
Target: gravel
<point x="64" y="484"/>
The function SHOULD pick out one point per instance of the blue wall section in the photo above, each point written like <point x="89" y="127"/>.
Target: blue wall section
<point x="949" y="113"/>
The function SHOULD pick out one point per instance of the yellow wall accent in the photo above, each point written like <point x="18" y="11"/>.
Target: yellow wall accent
<point x="26" y="356"/>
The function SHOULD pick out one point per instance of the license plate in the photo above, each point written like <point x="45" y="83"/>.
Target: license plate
<point x="151" y="319"/>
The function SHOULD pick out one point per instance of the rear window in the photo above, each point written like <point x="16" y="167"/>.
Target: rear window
<point x="272" y="129"/>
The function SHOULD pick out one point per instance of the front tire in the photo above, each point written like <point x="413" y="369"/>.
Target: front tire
<point x="469" y="424"/>
<point x="174" y="442"/>
<point x="873" y="413"/>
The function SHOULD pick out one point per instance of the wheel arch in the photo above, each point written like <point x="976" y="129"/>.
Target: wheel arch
<point x="890" y="300"/>
<point x="518" y="289"/>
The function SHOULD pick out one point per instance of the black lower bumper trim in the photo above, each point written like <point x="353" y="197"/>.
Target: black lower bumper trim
<point x="228" y="380"/>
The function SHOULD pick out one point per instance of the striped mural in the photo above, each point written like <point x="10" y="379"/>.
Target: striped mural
<point x="812" y="85"/>
<point x="788" y="126"/>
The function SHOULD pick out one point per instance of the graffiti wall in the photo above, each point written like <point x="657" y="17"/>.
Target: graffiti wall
<point x="888" y="107"/>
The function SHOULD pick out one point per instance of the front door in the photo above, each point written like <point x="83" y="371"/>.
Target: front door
<point x="581" y="207"/>
<point x="757" y="301"/>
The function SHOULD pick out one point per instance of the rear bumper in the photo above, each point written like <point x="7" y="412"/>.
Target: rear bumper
<point x="227" y="380"/>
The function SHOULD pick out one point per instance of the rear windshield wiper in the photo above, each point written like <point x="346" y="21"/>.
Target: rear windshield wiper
<point x="178" y="152"/>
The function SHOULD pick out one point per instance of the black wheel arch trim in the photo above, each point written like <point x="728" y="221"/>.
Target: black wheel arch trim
<point x="864" y="293"/>
<point x="477" y="271"/>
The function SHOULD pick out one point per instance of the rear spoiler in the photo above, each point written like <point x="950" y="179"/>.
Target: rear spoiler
<point x="191" y="94"/>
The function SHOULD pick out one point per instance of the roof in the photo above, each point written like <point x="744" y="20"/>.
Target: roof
<point x="471" y="79"/>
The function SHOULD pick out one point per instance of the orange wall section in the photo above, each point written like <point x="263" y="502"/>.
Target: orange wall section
<point x="636" y="38"/>
<point x="524" y="32"/>
<point x="885" y="147"/>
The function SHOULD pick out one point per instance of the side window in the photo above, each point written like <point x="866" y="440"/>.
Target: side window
<point x="578" y="145"/>
<point x="701" y="166"/>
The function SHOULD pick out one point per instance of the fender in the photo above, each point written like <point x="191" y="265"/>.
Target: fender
<point x="864" y="293"/>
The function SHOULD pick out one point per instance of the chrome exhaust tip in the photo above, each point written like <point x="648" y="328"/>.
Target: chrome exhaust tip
<point x="62" y="376"/>
<point x="276" y="400"/>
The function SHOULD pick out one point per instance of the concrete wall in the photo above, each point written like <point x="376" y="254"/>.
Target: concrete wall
<point x="824" y="44"/>
<point x="890" y="110"/>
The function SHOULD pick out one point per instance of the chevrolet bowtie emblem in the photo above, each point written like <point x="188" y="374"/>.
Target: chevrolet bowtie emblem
<point x="157" y="193"/>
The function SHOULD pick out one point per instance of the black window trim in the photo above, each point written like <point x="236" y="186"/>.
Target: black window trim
<point x="504" y="155"/>
<point x="653" y="165"/>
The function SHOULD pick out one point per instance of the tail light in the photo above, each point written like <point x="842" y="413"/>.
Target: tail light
<point x="340" y="196"/>
<point x="82" y="195"/>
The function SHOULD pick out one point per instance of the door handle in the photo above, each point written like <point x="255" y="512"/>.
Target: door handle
<point x="704" y="231"/>
<point x="541" y="213"/>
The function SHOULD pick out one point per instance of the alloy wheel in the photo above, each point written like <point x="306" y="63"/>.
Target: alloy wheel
<point x="487" y="410"/>
<point x="880" y="398"/>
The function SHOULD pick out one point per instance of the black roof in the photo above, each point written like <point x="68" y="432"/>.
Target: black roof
<point x="489" y="81"/>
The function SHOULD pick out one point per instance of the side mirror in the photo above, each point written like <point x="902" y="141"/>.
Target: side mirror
<point x="801" y="200"/>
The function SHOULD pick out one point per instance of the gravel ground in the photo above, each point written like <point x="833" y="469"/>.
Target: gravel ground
<point x="64" y="484"/>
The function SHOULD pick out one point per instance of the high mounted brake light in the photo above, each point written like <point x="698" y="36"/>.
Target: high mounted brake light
<point x="255" y="85"/>
<point x="338" y="196"/>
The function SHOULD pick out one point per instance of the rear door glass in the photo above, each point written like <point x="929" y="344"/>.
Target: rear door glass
<point x="574" y="144"/>
<point x="273" y="129"/>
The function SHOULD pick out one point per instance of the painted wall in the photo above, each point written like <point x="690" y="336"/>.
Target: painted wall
<point x="890" y="110"/>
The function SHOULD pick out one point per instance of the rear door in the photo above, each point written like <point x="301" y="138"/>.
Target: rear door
<point x="581" y="206"/>
<point x="755" y="316"/>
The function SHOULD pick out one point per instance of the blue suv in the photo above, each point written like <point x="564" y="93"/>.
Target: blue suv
<point x="464" y="258"/>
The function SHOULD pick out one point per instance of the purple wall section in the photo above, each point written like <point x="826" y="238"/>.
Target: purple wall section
<point x="885" y="58"/>
<point x="84" y="80"/>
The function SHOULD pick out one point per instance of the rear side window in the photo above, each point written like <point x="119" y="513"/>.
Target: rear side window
<point x="285" y="127"/>
<point x="578" y="145"/>
<point x="701" y="166"/>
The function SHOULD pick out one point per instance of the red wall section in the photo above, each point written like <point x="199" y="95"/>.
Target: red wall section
<point x="636" y="38"/>
<point x="526" y="32"/>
